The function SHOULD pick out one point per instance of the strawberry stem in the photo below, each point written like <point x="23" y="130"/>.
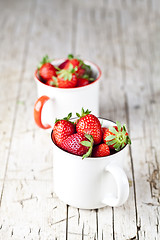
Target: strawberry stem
<point x="83" y="113"/>
<point x="70" y="56"/>
<point x="65" y="118"/>
<point x="44" y="60"/>
<point x="66" y="74"/>
<point x="119" y="137"/>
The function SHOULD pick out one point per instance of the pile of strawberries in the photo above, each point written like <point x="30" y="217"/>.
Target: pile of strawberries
<point x="73" y="72"/>
<point x="86" y="137"/>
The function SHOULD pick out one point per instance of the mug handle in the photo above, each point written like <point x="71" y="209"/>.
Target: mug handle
<point x="122" y="186"/>
<point x="38" y="110"/>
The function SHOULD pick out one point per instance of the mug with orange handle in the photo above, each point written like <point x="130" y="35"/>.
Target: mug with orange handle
<point x="54" y="102"/>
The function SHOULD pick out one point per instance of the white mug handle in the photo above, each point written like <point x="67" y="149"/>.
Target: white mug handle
<point x="122" y="186"/>
<point x="39" y="108"/>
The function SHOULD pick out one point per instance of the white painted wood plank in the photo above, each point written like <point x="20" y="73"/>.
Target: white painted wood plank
<point x="30" y="211"/>
<point x="10" y="71"/>
<point x="83" y="225"/>
<point x="32" y="159"/>
<point x="143" y="115"/>
<point x="6" y="115"/>
<point x="147" y="208"/>
<point x="51" y="32"/>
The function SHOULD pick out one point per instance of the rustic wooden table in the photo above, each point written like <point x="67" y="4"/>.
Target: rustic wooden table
<point x="123" y="38"/>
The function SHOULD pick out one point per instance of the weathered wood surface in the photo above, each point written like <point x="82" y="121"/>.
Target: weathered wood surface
<point x="123" y="38"/>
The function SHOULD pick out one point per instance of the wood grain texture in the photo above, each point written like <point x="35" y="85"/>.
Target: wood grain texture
<point x="123" y="38"/>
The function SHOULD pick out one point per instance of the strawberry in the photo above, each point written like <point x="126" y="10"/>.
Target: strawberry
<point x="90" y="124"/>
<point x="46" y="69"/>
<point x="82" y="82"/>
<point x="82" y="68"/>
<point x="62" y="129"/>
<point x="78" y="144"/>
<point x="63" y="64"/>
<point x="101" y="150"/>
<point x="66" y="78"/>
<point x="116" y="137"/>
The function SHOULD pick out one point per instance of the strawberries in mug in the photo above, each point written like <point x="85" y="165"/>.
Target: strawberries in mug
<point x="87" y="138"/>
<point x="71" y="73"/>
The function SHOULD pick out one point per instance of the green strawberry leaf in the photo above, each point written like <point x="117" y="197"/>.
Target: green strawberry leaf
<point x="91" y="79"/>
<point x="86" y="76"/>
<point x="70" y="77"/>
<point x="88" y="154"/>
<point x="83" y="113"/>
<point x="65" y="118"/>
<point x="55" y="81"/>
<point x="45" y="59"/>
<point x="124" y="129"/>
<point x="113" y="130"/>
<point x="68" y="117"/>
<point x="117" y="146"/>
<point x="111" y="142"/>
<point x="78" y="115"/>
<point x="70" y="67"/>
<point x="52" y="83"/>
<point x="70" y="56"/>
<point x="119" y="126"/>
<point x="57" y="68"/>
<point x="89" y="137"/>
<point x="86" y="143"/>
<point x="128" y="140"/>
<point x="110" y="137"/>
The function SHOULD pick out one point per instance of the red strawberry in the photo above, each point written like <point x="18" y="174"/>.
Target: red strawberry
<point x="82" y="68"/>
<point x="46" y="69"/>
<point x="78" y="144"/>
<point x="63" y="64"/>
<point x="82" y="82"/>
<point x="101" y="150"/>
<point x="62" y="129"/>
<point x="90" y="124"/>
<point x="66" y="78"/>
<point x="116" y="137"/>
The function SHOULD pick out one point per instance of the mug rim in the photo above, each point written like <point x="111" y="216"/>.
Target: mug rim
<point x="91" y="158"/>
<point x="74" y="88"/>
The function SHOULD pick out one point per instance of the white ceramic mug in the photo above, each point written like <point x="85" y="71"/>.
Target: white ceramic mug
<point x="90" y="183"/>
<point x="55" y="102"/>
